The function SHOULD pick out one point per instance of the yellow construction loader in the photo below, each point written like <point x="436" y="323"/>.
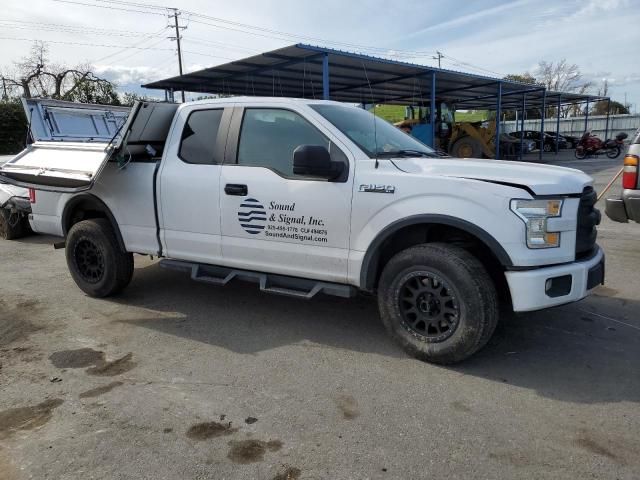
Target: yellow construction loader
<point x="459" y="139"/>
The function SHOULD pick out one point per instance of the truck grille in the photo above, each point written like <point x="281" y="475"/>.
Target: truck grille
<point x="588" y="218"/>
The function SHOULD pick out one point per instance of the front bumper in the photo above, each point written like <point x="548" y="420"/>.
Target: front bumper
<point x="551" y="286"/>
<point x="625" y="208"/>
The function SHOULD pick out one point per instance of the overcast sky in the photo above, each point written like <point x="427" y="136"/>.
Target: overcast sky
<point x="489" y="37"/>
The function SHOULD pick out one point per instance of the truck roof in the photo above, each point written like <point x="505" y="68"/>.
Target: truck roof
<point x="247" y="99"/>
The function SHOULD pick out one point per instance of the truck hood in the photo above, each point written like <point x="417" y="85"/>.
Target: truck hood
<point x="541" y="179"/>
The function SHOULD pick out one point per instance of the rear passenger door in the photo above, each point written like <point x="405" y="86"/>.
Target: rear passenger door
<point x="276" y="221"/>
<point x="189" y="181"/>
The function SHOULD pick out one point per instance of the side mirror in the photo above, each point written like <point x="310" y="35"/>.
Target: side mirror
<point x="315" y="161"/>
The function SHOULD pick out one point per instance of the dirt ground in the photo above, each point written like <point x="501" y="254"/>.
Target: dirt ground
<point x="181" y="380"/>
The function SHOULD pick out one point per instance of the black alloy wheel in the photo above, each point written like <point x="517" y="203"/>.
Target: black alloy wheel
<point x="429" y="306"/>
<point x="89" y="260"/>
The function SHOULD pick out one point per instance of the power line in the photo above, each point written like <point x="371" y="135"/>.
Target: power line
<point x="135" y="4"/>
<point x="110" y="7"/>
<point x="247" y="28"/>
<point x="131" y="47"/>
<point x="61" y="28"/>
<point x="83" y="44"/>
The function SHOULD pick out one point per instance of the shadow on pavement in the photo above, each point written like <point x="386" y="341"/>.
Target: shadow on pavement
<point x="575" y="353"/>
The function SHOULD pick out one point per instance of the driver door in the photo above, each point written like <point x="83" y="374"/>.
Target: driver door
<point x="276" y="221"/>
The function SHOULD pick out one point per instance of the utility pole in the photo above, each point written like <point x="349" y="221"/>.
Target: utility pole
<point x="177" y="38"/>
<point x="438" y="57"/>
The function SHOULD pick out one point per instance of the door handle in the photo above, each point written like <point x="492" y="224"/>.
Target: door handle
<point x="236" y="189"/>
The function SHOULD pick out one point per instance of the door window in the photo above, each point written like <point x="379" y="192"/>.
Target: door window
<point x="268" y="138"/>
<point x="198" y="139"/>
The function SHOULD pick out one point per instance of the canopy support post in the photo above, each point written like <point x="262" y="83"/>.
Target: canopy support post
<point x="586" y="117"/>
<point x="606" y="128"/>
<point x="432" y="110"/>
<point x="325" y="76"/>
<point x="558" y="125"/>
<point x="498" y="115"/>
<point x="524" y="109"/>
<point x="544" y="109"/>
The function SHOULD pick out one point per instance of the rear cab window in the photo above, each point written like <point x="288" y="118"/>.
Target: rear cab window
<point x="198" y="139"/>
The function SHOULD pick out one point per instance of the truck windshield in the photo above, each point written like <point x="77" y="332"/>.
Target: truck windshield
<point x="381" y="140"/>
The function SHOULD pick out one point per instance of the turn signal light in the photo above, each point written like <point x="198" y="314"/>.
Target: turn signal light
<point x="630" y="172"/>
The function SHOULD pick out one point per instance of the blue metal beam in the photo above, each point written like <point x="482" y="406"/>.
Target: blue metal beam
<point x="586" y="117"/>
<point x="518" y="92"/>
<point x="524" y="109"/>
<point x="498" y="115"/>
<point x="432" y="109"/>
<point x="606" y="128"/>
<point x="558" y="123"/>
<point x="377" y="82"/>
<point x="325" y="77"/>
<point x="543" y="111"/>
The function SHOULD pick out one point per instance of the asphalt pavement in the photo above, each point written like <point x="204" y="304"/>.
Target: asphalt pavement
<point x="180" y="380"/>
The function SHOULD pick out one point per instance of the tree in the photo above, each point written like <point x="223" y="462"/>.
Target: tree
<point x="615" y="108"/>
<point x="34" y="76"/>
<point x="563" y="77"/>
<point x="525" y="77"/>
<point x="528" y="79"/>
<point x="129" y="98"/>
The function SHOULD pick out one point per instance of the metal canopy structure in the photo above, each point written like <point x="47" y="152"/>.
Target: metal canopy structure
<point x="307" y="71"/>
<point x="299" y="70"/>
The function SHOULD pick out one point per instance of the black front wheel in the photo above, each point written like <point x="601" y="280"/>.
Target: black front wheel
<point x="96" y="262"/>
<point x="580" y="152"/>
<point x="547" y="147"/>
<point x="438" y="302"/>
<point x="613" y="152"/>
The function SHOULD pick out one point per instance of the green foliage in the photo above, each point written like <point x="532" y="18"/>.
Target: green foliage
<point x="600" y="108"/>
<point x="102" y="92"/>
<point x="13" y="127"/>
<point x="525" y="77"/>
<point x="129" y="98"/>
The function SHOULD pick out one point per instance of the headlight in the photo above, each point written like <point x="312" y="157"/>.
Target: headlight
<point x="534" y="214"/>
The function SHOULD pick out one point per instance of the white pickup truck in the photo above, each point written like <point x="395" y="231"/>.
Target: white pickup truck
<point x="305" y="197"/>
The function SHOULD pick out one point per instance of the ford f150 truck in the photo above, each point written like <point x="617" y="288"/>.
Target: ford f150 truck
<point x="305" y="197"/>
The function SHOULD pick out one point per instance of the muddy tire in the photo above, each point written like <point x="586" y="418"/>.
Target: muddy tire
<point x="12" y="226"/>
<point x="438" y="302"/>
<point x="96" y="262"/>
<point x="467" y="147"/>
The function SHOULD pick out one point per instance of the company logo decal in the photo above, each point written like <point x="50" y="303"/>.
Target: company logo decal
<point x="252" y="216"/>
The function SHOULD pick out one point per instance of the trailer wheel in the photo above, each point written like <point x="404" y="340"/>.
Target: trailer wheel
<point x="95" y="260"/>
<point x="438" y="302"/>
<point x="12" y="225"/>
<point x="466" y="147"/>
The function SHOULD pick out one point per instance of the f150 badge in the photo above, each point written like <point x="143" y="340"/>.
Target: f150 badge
<point x="373" y="188"/>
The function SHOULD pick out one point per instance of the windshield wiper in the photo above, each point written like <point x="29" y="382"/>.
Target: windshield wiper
<point x="408" y="153"/>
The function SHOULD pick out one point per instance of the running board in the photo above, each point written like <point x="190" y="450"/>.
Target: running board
<point x="269" y="282"/>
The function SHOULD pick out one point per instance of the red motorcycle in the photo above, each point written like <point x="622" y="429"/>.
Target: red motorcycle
<point x="591" y="145"/>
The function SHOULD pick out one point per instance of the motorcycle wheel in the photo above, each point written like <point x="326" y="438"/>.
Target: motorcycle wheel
<point x="580" y="153"/>
<point x="613" y="152"/>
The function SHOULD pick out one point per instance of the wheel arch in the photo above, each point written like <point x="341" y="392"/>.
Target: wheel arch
<point x="86" y="206"/>
<point x="373" y="261"/>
